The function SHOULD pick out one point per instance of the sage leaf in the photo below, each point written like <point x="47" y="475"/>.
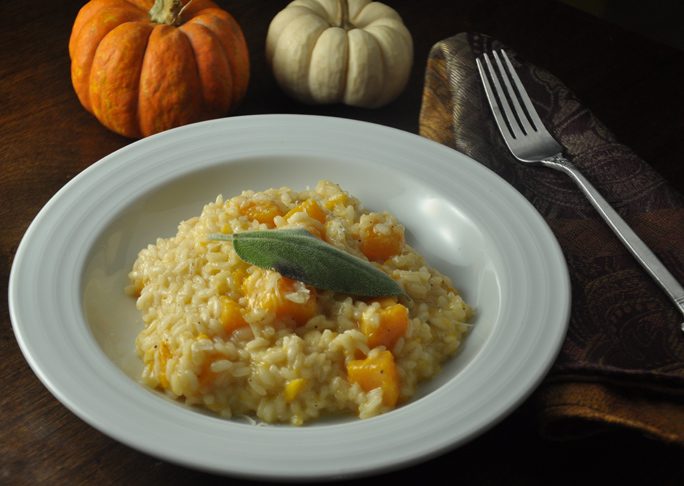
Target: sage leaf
<point x="299" y="255"/>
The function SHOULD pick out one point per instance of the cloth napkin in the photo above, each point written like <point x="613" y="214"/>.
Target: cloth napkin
<point x="621" y="365"/>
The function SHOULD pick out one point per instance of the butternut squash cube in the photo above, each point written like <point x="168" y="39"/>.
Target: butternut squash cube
<point x="262" y="211"/>
<point x="289" y="300"/>
<point x="310" y="207"/>
<point x="315" y="212"/>
<point x="294" y="388"/>
<point x="231" y="316"/>
<point x="376" y="371"/>
<point x="392" y="323"/>
<point x="381" y="242"/>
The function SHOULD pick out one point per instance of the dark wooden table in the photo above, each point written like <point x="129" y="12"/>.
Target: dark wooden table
<point x="632" y="84"/>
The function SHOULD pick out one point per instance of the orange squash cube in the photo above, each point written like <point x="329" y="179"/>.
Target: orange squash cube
<point x="339" y="198"/>
<point x="381" y="242"/>
<point x="392" y="324"/>
<point x="310" y="207"/>
<point x="263" y="211"/>
<point x="294" y="388"/>
<point x="377" y="371"/>
<point x="314" y="211"/>
<point x="289" y="300"/>
<point x="231" y="316"/>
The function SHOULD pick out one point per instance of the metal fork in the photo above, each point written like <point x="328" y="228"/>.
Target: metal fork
<point x="530" y="142"/>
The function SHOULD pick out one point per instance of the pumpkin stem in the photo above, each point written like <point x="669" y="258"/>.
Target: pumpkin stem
<point x="343" y="10"/>
<point x="167" y="12"/>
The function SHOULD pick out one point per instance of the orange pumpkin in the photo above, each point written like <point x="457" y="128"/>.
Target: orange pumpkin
<point x="142" y="67"/>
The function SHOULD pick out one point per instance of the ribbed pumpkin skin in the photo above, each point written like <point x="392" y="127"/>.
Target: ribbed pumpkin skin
<point x="139" y="77"/>
<point x="356" y="52"/>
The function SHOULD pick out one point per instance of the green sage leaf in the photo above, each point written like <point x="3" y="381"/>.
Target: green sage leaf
<point x="299" y="255"/>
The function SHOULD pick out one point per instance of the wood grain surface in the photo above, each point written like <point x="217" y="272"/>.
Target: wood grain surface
<point x="632" y="84"/>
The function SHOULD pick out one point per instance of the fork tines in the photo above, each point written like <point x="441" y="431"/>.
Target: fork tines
<point x="500" y="100"/>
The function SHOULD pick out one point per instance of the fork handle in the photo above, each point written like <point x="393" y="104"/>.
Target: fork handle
<point x="629" y="238"/>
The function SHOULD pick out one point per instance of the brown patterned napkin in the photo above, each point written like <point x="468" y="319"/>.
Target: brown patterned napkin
<point x="622" y="363"/>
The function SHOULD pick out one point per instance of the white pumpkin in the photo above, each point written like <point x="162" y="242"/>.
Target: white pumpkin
<point x="356" y="52"/>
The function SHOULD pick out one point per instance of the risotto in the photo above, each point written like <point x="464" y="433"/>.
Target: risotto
<point x="244" y="341"/>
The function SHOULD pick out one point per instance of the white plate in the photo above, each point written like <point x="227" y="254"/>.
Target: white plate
<point x="77" y="328"/>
